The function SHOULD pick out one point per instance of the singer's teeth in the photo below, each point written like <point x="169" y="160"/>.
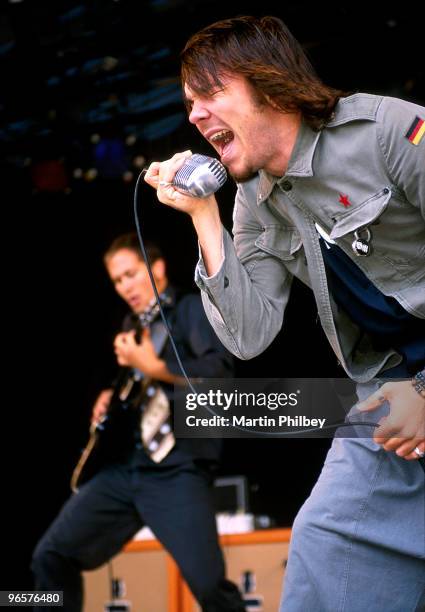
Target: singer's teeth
<point x="224" y="136"/>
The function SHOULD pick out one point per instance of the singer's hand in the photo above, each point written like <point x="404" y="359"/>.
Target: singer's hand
<point x="203" y="211"/>
<point x="404" y="428"/>
<point x="160" y="176"/>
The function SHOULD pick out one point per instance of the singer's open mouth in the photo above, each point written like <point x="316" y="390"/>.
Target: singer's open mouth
<point x="221" y="139"/>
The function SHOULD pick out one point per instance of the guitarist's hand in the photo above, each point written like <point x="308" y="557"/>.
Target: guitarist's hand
<point x="141" y="356"/>
<point x="101" y="405"/>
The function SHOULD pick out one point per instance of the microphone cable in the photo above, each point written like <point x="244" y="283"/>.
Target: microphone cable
<point x="334" y="425"/>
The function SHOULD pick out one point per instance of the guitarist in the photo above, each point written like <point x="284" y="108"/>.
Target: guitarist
<point x="169" y="491"/>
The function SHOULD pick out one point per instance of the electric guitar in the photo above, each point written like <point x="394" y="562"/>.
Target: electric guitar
<point x="138" y="409"/>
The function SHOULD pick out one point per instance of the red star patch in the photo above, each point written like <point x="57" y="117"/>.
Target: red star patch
<point x="344" y="200"/>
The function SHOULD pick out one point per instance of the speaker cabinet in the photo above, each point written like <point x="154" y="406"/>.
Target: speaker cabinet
<point x="149" y="579"/>
<point x="153" y="583"/>
<point x="257" y="558"/>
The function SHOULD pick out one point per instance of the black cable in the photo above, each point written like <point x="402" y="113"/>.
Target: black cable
<point x="186" y="377"/>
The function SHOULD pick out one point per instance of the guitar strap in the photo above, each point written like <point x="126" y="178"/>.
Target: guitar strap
<point x="155" y="423"/>
<point x="159" y="337"/>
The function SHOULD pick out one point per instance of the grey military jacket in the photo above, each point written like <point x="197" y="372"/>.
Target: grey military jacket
<point x="360" y="174"/>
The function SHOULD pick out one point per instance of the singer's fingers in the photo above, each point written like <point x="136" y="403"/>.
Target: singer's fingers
<point x="152" y="174"/>
<point x="169" y="168"/>
<point x="160" y="176"/>
<point x="406" y="450"/>
<point x="166" y="192"/>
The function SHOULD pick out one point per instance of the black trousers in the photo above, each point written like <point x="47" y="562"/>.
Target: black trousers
<point x="95" y="523"/>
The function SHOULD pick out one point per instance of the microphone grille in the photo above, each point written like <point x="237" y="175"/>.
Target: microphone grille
<point x="218" y="170"/>
<point x="200" y="175"/>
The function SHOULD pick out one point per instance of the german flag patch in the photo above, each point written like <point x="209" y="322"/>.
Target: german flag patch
<point x="416" y="131"/>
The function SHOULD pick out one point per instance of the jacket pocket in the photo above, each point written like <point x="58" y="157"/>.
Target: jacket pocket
<point x="361" y="215"/>
<point x="282" y="242"/>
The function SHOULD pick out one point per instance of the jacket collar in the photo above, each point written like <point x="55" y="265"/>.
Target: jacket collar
<point x="353" y="108"/>
<point x="300" y="162"/>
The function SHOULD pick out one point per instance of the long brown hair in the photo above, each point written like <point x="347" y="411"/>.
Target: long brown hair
<point x="264" y="51"/>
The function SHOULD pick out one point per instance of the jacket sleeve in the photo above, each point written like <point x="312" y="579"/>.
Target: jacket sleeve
<point x="245" y="300"/>
<point x="405" y="160"/>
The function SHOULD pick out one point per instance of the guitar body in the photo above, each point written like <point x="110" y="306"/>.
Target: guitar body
<point x="112" y="439"/>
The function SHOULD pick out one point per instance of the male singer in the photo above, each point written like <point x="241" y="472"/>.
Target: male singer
<point x="331" y="189"/>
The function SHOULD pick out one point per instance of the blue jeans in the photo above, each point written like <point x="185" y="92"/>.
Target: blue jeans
<point x="358" y="542"/>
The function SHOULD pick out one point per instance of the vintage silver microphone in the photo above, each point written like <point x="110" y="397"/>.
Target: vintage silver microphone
<point x="200" y="175"/>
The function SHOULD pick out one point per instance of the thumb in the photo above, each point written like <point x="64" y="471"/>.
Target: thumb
<point x="372" y="402"/>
